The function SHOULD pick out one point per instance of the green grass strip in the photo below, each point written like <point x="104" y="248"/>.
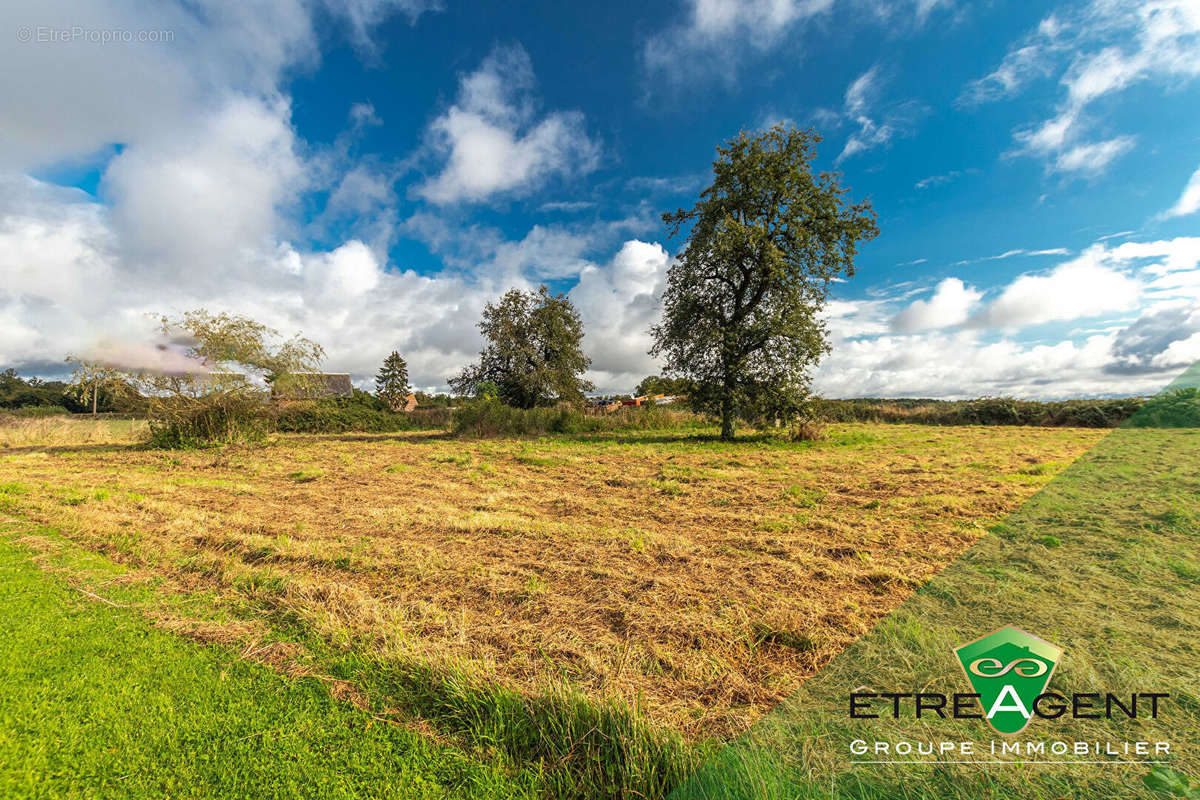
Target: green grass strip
<point x="563" y="744"/>
<point x="1103" y="562"/>
<point x="95" y="702"/>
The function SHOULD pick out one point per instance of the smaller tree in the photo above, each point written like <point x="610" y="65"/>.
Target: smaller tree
<point x="222" y="395"/>
<point x="656" y="384"/>
<point x="533" y="355"/>
<point x="391" y="384"/>
<point x="90" y="378"/>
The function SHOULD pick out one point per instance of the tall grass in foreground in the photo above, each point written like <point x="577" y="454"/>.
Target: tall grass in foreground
<point x="582" y="747"/>
<point x="103" y="705"/>
<point x="54" y="431"/>
<point x="574" y="747"/>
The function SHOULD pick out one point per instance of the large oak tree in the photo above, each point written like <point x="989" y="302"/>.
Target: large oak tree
<point x="741" y="311"/>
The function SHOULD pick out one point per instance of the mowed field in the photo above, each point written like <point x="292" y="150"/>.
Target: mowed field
<point x="697" y="581"/>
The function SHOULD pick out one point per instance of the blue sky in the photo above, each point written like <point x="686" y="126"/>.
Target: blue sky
<point x="370" y="174"/>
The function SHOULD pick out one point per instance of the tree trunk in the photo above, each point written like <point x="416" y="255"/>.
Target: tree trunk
<point x="727" y="414"/>
<point x="727" y="380"/>
<point x="95" y="393"/>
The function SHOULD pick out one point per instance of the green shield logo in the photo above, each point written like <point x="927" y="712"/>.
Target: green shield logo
<point x="1008" y="669"/>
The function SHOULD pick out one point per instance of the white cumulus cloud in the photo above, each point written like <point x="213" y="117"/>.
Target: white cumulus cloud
<point x="715" y="36"/>
<point x="618" y="302"/>
<point x="1082" y="287"/>
<point x="492" y="140"/>
<point x="950" y="305"/>
<point x="1095" y="157"/>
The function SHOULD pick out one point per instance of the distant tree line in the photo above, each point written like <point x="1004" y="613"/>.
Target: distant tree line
<point x="74" y="396"/>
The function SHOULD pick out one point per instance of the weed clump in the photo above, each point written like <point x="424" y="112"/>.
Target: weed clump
<point x="807" y="430"/>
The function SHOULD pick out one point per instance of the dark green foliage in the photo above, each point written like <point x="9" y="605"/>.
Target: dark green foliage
<point x="433" y="400"/>
<point x="391" y="384"/>
<point x="488" y="417"/>
<point x="359" y="397"/>
<point x="657" y="384"/>
<point x="362" y="413"/>
<point x="330" y="416"/>
<point x="986" y="411"/>
<point x="1177" y="408"/>
<point x="741" y="309"/>
<point x="17" y="392"/>
<point x="533" y="354"/>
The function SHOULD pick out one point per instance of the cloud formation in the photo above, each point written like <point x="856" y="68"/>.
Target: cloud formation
<point x="715" y="36"/>
<point x="950" y="305"/>
<point x="1114" y="320"/>
<point x="1083" y="287"/>
<point x="875" y="124"/>
<point x="1166" y="338"/>
<point x="618" y="302"/>
<point x="724" y="26"/>
<point x="1189" y="201"/>
<point x="1160" y="39"/>
<point x="200" y="207"/>
<point x="493" y="142"/>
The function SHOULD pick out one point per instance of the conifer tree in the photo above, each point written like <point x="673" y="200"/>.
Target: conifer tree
<point x="391" y="384"/>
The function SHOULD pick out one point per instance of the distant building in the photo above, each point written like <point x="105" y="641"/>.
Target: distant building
<point x="313" y="386"/>
<point x="410" y="403"/>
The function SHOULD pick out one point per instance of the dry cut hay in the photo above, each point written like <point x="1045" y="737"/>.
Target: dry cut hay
<point x="701" y="581"/>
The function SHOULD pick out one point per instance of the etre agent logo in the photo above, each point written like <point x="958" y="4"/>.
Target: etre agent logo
<point x="1008" y="669"/>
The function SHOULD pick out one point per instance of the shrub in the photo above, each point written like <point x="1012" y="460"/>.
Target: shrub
<point x="220" y="399"/>
<point x="985" y="411"/>
<point x="361" y="413"/>
<point x="806" y="430"/>
<point x="216" y="418"/>
<point x="436" y="418"/>
<point x="1178" y="408"/>
<point x="332" y="416"/>
<point x="488" y="417"/>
